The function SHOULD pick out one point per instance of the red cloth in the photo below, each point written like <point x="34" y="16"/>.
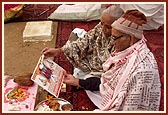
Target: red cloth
<point x="8" y="6"/>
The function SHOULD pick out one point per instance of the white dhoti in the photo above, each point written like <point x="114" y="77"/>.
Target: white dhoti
<point x="94" y="96"/>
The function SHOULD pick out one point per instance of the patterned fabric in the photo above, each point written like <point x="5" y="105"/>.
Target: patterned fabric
<point x="155" y="43"/>
<point x="78" y="98"/>
<point x="133" y="82"/>
<point x="90" y="52"/>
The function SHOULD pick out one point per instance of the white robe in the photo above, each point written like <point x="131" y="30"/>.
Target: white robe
<point x="133" y="84"/>
<point x="153" y="12"/>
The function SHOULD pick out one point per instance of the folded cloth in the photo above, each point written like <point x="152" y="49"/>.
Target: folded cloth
<point x="80" y="32"/>
<point x="84" y="12"/>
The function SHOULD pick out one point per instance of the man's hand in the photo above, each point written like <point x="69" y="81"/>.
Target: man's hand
<point x="71" y="80"/>
<point x="51" y="52"/>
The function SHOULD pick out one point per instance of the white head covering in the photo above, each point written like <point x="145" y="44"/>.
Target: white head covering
<point x="114" y="11"/>
<point x="128" y="27"/>
<point x="131" y="23"/>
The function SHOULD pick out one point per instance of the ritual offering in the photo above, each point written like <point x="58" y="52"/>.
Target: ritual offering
<point x="19" y="98"/>
<point x="55" y="104"/>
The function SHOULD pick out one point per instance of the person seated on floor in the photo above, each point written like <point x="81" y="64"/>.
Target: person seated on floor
<point x="154" y="33"/>
<point x="130" y="81"/>
<point x="87" y="51"/>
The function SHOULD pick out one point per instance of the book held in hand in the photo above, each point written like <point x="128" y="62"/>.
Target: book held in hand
<point x="49" y="76"/>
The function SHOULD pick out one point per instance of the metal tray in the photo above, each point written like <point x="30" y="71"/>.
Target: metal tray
<point x="63" y="105"/>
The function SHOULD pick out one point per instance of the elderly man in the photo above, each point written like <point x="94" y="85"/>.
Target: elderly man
<point x="130" y="81"/>
<point x="88" y="53"/>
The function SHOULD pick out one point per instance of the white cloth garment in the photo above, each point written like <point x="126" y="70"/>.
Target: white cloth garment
<point x="80" y="32"/>
<point x="95" y="95"/>
<point x="133" y="83"/>
<point x="83" y="12"/>
<point x="153" y="12"/>
<point x="77" y="73"/>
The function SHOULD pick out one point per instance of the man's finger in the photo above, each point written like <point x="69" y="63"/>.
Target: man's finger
<point x="45" y="49"/>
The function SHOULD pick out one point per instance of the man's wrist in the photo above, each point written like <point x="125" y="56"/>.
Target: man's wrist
<point x="60" y="51"/>
<point x="77" y="82"/>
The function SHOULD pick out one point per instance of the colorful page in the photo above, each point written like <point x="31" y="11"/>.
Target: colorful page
<point x="49" y="76"/>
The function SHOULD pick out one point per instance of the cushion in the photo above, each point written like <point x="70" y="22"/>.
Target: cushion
<point x="36" y="31"/>
<point x="82" y="12"/>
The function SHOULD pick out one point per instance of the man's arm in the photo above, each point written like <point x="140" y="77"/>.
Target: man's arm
<point x="91" y="83"/>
